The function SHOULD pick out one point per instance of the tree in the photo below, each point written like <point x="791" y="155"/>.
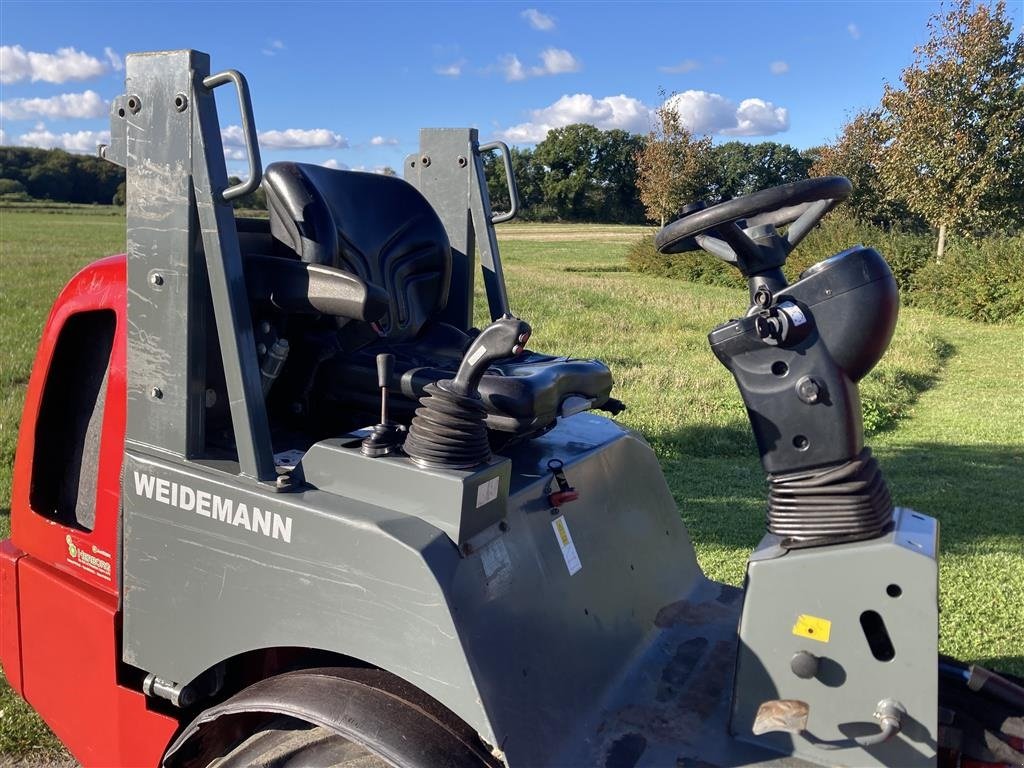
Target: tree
<point x="672" y="168"/>
<point x="740" y="168"/>
<point x="857" y="155"/>
<point x="956" y="153"/>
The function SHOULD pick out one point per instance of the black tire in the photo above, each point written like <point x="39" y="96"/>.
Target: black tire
<point x="290" y="743"/>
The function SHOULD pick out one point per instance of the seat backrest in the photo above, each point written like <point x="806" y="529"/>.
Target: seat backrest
<point x="378" y="227"/>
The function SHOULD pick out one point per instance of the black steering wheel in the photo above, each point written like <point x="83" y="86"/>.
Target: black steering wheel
<point x="755" y="246"/>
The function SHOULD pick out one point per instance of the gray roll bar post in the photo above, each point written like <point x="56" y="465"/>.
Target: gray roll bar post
<point x="181" y="243"/>
<point x="457" y="190"/>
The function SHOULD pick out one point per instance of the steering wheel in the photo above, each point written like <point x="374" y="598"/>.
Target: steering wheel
<point x="755" y="246"/>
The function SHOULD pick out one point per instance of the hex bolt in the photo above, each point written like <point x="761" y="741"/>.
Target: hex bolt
<point x="156" y="393"/>
<point x="425" y="160"/>
<point x="156" y="279"/>
<point x="180" y="102"/>
<point x="462" y="161"/>
<point x="134" y="104"/>
<point x="808" y="390"/>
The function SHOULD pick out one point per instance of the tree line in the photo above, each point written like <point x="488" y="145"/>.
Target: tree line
<point x="943" y="150"/>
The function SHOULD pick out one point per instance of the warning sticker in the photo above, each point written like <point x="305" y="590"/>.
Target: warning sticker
<point x="569" y="553"/>
<point x="487" y="492"/>
<point x="812" y="627"/>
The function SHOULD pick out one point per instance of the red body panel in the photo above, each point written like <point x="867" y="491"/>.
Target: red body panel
<point x="60" y="631"/>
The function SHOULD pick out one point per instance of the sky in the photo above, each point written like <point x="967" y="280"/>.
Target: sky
<point x="348" y="85"/>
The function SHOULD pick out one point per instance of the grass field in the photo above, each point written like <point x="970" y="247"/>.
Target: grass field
<point x="945" y="405"/>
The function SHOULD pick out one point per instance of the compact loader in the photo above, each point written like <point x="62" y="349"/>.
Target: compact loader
<point x="277" y="502"/>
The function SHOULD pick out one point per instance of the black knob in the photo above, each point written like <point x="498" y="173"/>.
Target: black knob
<point x="804" y="664"/>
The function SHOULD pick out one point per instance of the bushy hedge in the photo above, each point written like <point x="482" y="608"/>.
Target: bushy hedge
<point x="977" y="279"/>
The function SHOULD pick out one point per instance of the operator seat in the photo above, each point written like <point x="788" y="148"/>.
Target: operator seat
<point x="383" y="230"/>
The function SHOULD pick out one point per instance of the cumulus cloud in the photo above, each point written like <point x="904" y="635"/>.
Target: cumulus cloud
<point x="779" y="67"/>
<point x="334" y="165"/>
<point x="684" y="66"/>
<point x="451" y="70"/>
<point x="234" y="153"/>
<point x="538" y="20"/>
<point x="63" y="107"/>
<point x="606" y="113"/>
<point x="80" y="141"/>
<point x="854" y="30"/>
<point x="382" y="141"/>
<point x="290" y="138"/>
<point x="757" y="117"/>
<point x="701" y="112"/>
<point x="553" y="61"/>
<point x="17" y="64"/>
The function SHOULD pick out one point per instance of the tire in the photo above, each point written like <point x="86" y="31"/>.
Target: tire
<point x="291" y="743"/>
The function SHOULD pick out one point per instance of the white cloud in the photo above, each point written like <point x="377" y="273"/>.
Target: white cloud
<point x="234" y="153"/>
<point x="684" y="66"/>
<point x="113" y="59"/>
<point x="381" y="141"/>
<point x="538" y="20"/>
<point x="80" y="141"/>
<point x="606" y="113"/>
<point x="3" y="137"/>
<point x="451" y="70"/>
<point x="554" y="61"/>
<point x="512" y="67"/>
<point x="779" y="67"/>
<point x="854" y="30"/>
<point x="17" y="64"/>
<point x="65" y="106"/>
<point x="557" y="61"/>
<point x="757" y="117"/>
<point x="272" y="47"/>
<point x="701" y="112"/>
<point x="290" y="138"/>
<point x="334" y="164"/>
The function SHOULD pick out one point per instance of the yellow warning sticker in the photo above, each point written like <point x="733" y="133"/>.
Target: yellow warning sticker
<point x="813" y="627"/>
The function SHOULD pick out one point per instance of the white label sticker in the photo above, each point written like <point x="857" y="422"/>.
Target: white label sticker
<point x="794" y="312"/>
<point x="569" y="553"/>
<point x="487" y="491"/>
<point x="480" y="352"/>
<point x="288" y="459"/>
<point x="494" y="557"/>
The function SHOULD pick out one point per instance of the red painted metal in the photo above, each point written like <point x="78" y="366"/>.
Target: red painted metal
<point x="60" y="631"/>
<point x="101" y="285"/>
<point x="10" y="636"/>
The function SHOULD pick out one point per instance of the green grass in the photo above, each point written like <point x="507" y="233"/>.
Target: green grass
<point x="945" y="407"/>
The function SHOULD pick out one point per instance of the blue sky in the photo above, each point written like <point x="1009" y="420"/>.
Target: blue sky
<point x="349" y="84"/>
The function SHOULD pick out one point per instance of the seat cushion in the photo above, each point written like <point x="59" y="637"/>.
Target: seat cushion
<point x="522" y="395"/>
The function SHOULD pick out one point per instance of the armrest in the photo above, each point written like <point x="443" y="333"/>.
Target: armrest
<point x="301" y="288"/>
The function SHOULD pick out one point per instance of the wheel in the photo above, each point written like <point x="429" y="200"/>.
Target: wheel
<point x="290" y="743"/>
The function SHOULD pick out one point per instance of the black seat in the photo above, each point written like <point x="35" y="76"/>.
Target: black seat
<point x="383" y="230"/>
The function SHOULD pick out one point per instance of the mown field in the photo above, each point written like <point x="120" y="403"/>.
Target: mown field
<point x="945" y="406"/>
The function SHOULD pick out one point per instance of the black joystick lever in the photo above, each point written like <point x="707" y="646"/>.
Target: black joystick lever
<point x="385" y="436"/>
<point x="448" y="429"/>
<point x="505" y="337"/>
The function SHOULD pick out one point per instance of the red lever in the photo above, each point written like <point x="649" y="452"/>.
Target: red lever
<point x="565" y="492"/>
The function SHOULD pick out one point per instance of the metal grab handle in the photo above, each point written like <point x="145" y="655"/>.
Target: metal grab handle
<point x="252" y="147"/>
<point x="510" y="178"/>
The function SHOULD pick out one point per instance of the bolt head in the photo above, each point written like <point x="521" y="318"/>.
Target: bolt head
<point x="156" y="393"/>
<point x="808" y="390"/>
